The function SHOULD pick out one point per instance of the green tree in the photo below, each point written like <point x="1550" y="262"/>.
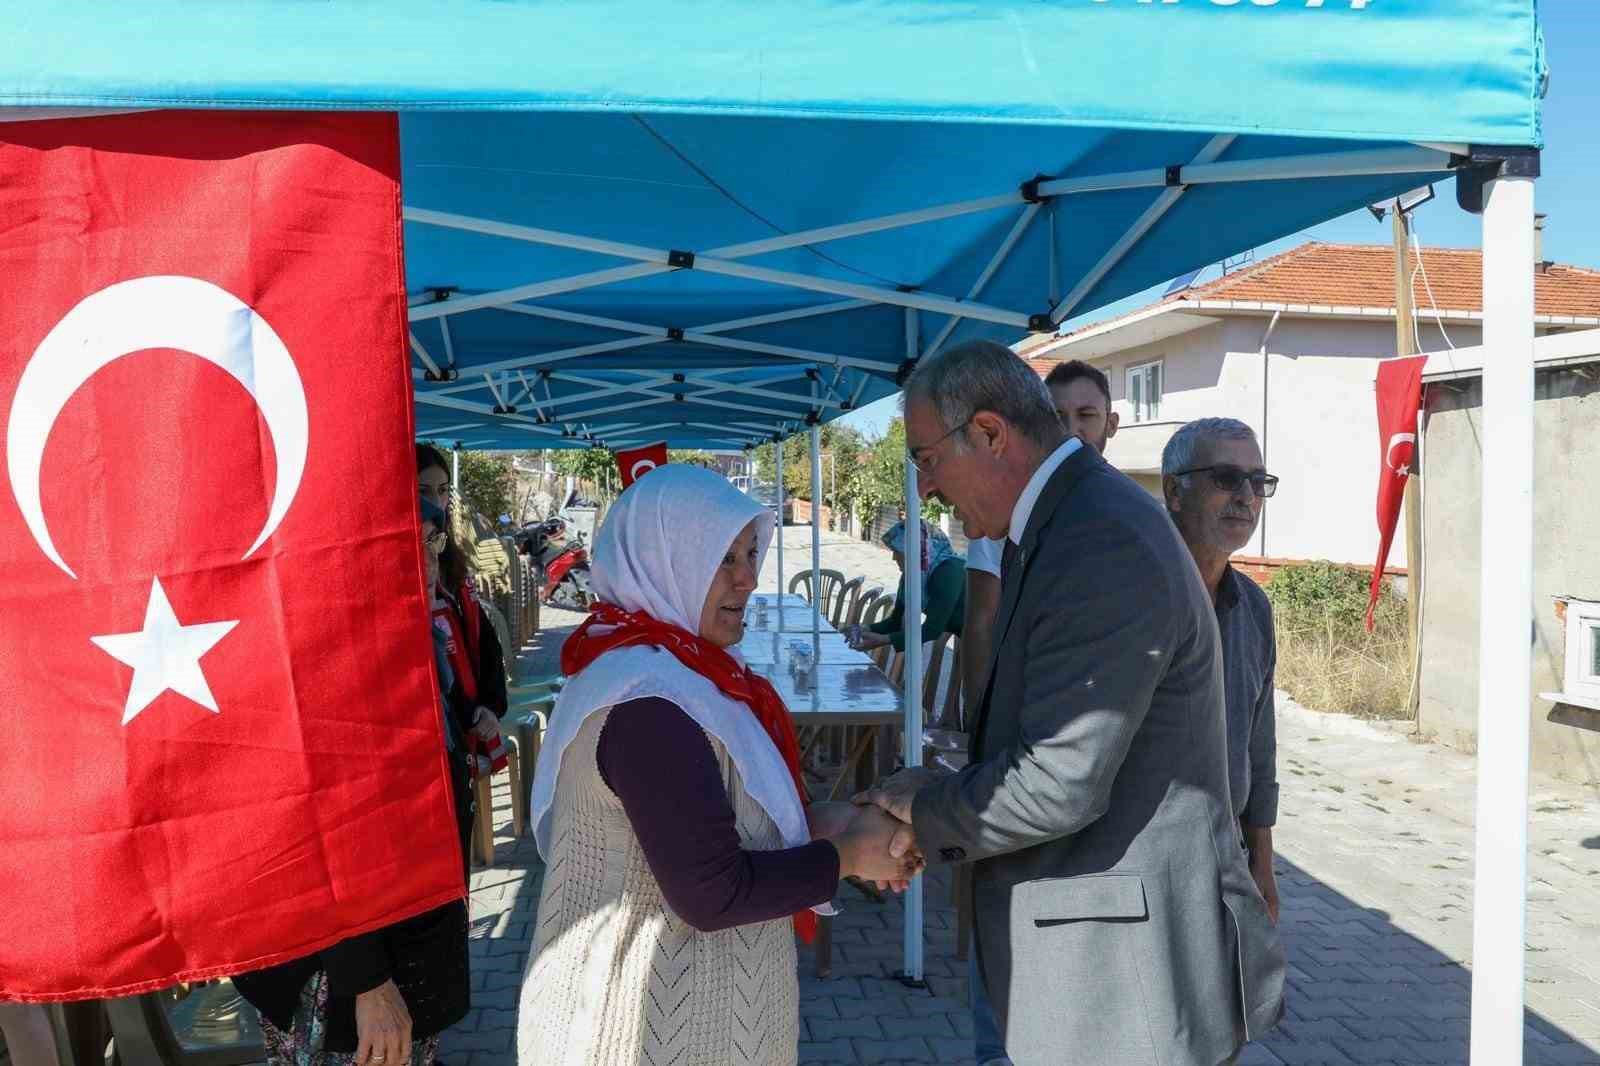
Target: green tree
<point x="844" y="444"/>
<point x="692" y="457"/>
<point x="586" y="464"/>
<point x="488" y="484"/>
<point x="878" y="477"/>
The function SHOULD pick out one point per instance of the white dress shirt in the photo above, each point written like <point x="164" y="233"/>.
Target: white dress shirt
<point x="983" y="553"/>
<point x="1030" y="492"/>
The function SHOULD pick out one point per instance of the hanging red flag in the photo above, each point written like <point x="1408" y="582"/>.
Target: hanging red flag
<point x="1399" y="389"/>
<point x="634" y="463"/>
<point x="220" y="736"/>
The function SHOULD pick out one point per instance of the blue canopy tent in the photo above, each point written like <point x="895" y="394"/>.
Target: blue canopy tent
<point x="719" y="224"/>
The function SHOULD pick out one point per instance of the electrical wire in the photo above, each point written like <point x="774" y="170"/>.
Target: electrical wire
<point x="1422" y="268"/>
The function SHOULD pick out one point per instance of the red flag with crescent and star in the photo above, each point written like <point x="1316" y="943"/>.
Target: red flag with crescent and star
<point x="220" y="737"/>
<point x="634" y="463"/>
<point x="1399" y="389"/>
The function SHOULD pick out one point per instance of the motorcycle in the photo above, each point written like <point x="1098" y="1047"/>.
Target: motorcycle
<point x="563" y="562"/>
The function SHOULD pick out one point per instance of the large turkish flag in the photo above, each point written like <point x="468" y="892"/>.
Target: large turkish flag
<point x="220" y="737"/>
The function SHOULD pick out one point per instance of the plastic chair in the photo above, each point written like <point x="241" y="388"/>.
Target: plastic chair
<point x="845" y="600"/>
<point x="527" y="724"/>
<point x="829" y="582"/>
<point x="930" y="677"/>
<point x="863" y="604"/>
<point x="881" y="608"/>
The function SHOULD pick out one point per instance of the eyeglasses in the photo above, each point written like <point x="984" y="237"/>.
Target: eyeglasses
<point x="437" y="540"/>
<point x="927" y="460"/>
<point x="1232" y="478"/>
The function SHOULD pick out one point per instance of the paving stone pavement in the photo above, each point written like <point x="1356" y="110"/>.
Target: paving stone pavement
<point x="1375" y="871"/>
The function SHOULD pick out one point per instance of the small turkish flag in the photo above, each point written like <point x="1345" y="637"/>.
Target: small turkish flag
<point x="1399" y="389"/>
<point x="634" y="463"/>
<point x="220" y="734"/>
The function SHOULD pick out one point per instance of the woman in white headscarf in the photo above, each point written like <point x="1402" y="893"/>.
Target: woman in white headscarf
<point x="681" y="853"/>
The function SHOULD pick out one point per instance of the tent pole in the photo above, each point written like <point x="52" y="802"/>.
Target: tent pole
<point x="912" y="973"/>
<point x="913" y="701"/>
<point x="778" y="448"/>
<point x="1505" y="620"/>
<point x="455" y="473"/>
<point x="816" y="540"/>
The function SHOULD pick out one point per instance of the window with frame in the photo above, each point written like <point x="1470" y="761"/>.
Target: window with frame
<point x="1582" y="678"/>
<point x="1144" y="391"/>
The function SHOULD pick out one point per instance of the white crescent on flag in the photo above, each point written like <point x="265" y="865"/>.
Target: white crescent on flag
<point x="643" y="466"/>
<point x="1394" y="442"/>
<point x="162" y="311"/>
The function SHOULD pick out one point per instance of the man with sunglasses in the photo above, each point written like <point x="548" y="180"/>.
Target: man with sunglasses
<point x="1215" y="485"/>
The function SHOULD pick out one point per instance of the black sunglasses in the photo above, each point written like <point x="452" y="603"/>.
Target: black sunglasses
<point x="1232" y="478"/>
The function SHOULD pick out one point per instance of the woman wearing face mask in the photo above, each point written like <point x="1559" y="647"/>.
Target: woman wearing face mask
<point x="382" y="998"/>
<point x="682" y="854"/>
<point x="479" y="659"/>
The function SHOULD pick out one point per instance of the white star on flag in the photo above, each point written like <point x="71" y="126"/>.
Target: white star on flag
<point x="164" y="655"/>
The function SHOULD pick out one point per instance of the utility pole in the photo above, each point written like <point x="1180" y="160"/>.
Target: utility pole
<point x="1406" y="345"/>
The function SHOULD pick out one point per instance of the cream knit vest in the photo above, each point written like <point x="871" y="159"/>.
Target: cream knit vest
<point x="616" y="978"/>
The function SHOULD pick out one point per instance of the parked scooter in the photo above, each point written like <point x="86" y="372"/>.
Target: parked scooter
<point x="563" y="563"/>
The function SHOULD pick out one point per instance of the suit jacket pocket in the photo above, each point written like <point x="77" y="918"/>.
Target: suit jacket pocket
<point x="1075" y="981"/>
<point x="1091" y="897"/>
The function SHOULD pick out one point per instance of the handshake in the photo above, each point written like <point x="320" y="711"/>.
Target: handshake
<point x="873" y="832"/>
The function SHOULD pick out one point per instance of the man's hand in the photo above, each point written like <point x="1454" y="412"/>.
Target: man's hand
<point x="865" y="848"/>
<point x="896" y="792"/>
<point x="1259" y="840"/>
<point x="383" y="1027"/>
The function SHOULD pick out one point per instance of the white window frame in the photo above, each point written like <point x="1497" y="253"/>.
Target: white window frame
<point x="1152" y="414"/>
<point x="1580" y="680"/>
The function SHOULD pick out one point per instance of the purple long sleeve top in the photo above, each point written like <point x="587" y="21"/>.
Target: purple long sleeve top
<point x="657" y="761"/>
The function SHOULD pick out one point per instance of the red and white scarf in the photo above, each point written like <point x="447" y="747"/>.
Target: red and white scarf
<point x="655" y="559"/>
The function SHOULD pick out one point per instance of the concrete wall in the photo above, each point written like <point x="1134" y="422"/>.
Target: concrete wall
<point x="1320" y="432"/>
<point x="1566" y="560"/>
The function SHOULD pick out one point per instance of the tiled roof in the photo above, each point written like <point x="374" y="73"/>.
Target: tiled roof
<point x="1321" y="275"/>
<point x="1362" y="275"/>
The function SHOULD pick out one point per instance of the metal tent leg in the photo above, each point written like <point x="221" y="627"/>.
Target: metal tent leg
<point x="1505" y="622"/>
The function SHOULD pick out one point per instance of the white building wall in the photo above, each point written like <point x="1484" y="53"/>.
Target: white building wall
<point x="1320" y="434"/>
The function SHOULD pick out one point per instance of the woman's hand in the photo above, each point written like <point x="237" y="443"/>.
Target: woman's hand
<point x="869" y="640"/>
<point x="828" y="819"/>
<point x="864" y="847"/>
<point x="486" y="725"/>
<point x="383" y="1027"/>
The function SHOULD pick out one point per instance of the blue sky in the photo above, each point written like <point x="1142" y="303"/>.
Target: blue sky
<point x="1568" y="190"/>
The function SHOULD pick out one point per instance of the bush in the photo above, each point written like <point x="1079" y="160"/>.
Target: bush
<point x="1326" y="658"/>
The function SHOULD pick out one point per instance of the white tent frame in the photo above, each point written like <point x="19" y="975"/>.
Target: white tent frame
<point x="1506" y="605"/>
<point x="1032" y="197"/>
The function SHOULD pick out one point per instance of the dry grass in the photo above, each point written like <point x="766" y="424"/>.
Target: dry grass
<point x="1326" y="658"/>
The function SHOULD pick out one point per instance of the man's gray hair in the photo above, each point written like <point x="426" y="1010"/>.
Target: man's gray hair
<point x="985" y="376"/>
<point x="1180" y="452"/>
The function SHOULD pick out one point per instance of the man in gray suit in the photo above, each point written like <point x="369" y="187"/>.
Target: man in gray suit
<point x="1116" y="919"/>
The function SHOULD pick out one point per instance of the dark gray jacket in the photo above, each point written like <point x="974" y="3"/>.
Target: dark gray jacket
<point x="1116" y="919"/>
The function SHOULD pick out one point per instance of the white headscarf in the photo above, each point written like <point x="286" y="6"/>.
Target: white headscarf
<point x="658" y="552"/>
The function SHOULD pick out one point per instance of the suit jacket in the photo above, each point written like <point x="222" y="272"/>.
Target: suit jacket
<point x="1116" y="919"/>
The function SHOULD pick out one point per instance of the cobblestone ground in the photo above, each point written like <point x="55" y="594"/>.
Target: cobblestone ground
<point x="1375" y="846"/>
